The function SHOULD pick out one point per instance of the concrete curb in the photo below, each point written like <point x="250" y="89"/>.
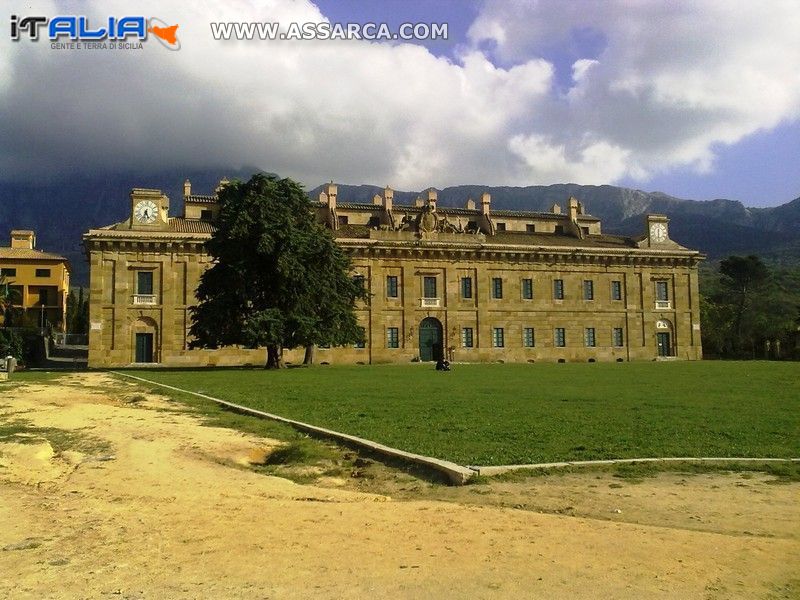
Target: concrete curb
<point x="497" y="470"/>
<point x="456" y="474"/>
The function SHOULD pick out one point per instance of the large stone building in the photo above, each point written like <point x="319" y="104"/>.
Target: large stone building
<point x="39" y="282"/>
<point x="470" y="284"/>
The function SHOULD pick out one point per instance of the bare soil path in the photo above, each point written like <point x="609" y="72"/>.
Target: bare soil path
<point x="139" y="500"/>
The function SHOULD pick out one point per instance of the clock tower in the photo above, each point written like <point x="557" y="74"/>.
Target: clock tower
<point x="657" y="231"/>
<point x="149" y="209"/>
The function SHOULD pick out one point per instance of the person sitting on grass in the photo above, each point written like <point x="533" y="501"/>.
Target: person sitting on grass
<point x="442" y="365"/>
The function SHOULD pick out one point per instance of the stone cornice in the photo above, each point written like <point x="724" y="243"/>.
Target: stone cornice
<point x="499" y="252"/>
<point x="127" y="241"/>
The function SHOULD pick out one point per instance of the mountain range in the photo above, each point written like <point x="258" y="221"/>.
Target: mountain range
<point x="60" y="209"/>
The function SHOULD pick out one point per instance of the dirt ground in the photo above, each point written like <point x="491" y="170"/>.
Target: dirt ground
<point x="138" y="500"/>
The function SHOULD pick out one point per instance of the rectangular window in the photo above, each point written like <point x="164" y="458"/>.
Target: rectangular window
<point x="467" y="338"/>
<point x="616" y="337"/>
<point x="527" y="289"/>
<point x="559" y="337"/>
<point x="391" y="286"/>
<point x="363" y="343"/>
<point x="558" y="289"/>
<point x="498" y="337"/>
<point x="206" y="215"/>
<point x="497" y="287"/>
<point x="527" y="337"/>
<point x="342" y="219"/>
<point x="530" y="228"/>
<point x="8" y="272"/>
<point x="144" y="283"/>
<point x="392" y="337"/>
<point x="466" y="287"/>
<point x="616" y="290"/>
<point x="361" y="281"/>
<point x="588" y="289"/>
<point x="589" y="337"/>
<point x="43" y="272"/>
<point x="662" y="291"/>
<point x="501" y="227"/>
<point x="429" y="287"/>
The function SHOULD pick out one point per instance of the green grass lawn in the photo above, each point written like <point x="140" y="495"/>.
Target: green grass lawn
<point x="496" y="414"/>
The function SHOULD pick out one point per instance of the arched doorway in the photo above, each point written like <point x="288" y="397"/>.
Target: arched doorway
<point x="664" y="339"/>
<point x="431" y="343"/>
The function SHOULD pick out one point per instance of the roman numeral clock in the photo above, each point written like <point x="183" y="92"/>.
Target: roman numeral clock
<point x="149" y="210"/>
<point x="657" y="232"/>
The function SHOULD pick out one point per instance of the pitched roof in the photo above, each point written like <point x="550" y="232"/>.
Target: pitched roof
<point x="454" y="210"/>
<point x="515" y="238"/>
<point x="7" y="252"/>
<point x="181" y="225"/>
<point x="176" y="225"/>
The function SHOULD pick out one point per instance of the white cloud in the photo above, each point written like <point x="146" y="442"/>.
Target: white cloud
<point x="581" y="67"/>
<point x="672" y="81"/>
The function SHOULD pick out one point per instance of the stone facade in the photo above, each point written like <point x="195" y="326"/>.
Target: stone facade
<point x="467" y="284"/>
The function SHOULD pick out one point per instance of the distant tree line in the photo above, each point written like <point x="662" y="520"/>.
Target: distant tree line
<point x="750" y="310"/>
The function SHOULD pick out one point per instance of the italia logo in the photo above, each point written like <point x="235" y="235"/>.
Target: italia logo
<point x="80" y="29"/>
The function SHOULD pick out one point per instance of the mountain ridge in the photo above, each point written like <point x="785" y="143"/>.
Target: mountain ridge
<point x="61" y="209"/>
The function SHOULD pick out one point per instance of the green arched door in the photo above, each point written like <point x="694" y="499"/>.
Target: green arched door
<point x="430" y="339"/>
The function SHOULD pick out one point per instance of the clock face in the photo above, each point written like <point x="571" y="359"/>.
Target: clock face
<point x="145" y="211"/>
<point x="658" y="232"/>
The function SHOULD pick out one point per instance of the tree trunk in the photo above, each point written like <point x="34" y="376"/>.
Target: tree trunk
<point x="308" y="359"/>
<point x="274" y="358"/>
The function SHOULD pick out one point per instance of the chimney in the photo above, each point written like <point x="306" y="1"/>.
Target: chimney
<point x="330" y="191"/>
<point x="388" y="198"/>
<point x="556" y="209"/>
<point x="419" y="202"/>
<point x="470" y="204"/>
<point x="486" y="200"/>
<point x="377" y="200"/>
<point x="432" y="197"/>
<point x="23" y="238"/>
<point x="187" y="188"/>
<point x="572" y="205"/>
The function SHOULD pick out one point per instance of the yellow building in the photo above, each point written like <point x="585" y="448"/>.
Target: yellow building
<point x="39" y="281"/>
<point x="469" y="284"/>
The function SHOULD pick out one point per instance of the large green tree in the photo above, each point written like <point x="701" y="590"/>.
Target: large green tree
<point x="279" y="280"/>
<point x="744" y="277"/>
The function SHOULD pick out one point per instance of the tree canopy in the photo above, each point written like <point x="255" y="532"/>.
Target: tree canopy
<point x="279" y="280"/>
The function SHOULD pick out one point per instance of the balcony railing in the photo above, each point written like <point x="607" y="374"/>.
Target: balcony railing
<point x="663" y="305"/>
<point x="144" y="299"/>
<point x="430" y="302"/>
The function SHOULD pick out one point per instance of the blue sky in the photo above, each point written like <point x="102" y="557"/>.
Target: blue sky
<point x="695" y="99"/>
<point x="762" y="169"/>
